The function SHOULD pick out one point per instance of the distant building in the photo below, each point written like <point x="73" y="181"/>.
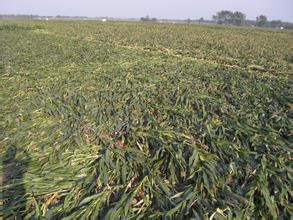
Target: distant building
<point x="104" y="20"/>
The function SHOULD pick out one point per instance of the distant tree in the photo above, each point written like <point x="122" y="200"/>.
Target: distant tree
<point x="201" y="20"/>
<point x="239" y="18"/>
<point x="223" y="17"/>
<point x="147" y="18"/>
<point x="188" y="20"/>
<point x="276" y="23"/>
<point x="228" y="17"/>
<point x="215" y="18"/>
<point x="262" y="21"/>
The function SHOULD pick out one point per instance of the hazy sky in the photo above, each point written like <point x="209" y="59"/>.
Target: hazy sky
<point x="182" y="9"/>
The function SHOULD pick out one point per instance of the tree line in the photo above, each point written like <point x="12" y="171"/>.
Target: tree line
<point x="227" y="17"/>
<point x="147" y="18"/>
<point x="239" y="18"/>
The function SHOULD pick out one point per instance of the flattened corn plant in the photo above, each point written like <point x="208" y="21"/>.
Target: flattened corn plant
<point x="93" y="130"/>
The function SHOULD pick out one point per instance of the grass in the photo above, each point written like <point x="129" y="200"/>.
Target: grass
<point x="122" y="120"/>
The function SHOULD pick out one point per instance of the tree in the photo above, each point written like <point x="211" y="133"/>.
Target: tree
<point x="188" y="20"/>
<point x="228" y="17"/>
<point x="276" y="23"/>
<point x="147" y="18"/>
<point x="262" y="21"/>
<point x="239" y="18"/>
<point x="223" y="17"/>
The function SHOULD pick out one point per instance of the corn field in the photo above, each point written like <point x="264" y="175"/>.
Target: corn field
<point x="129" y="120"/>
